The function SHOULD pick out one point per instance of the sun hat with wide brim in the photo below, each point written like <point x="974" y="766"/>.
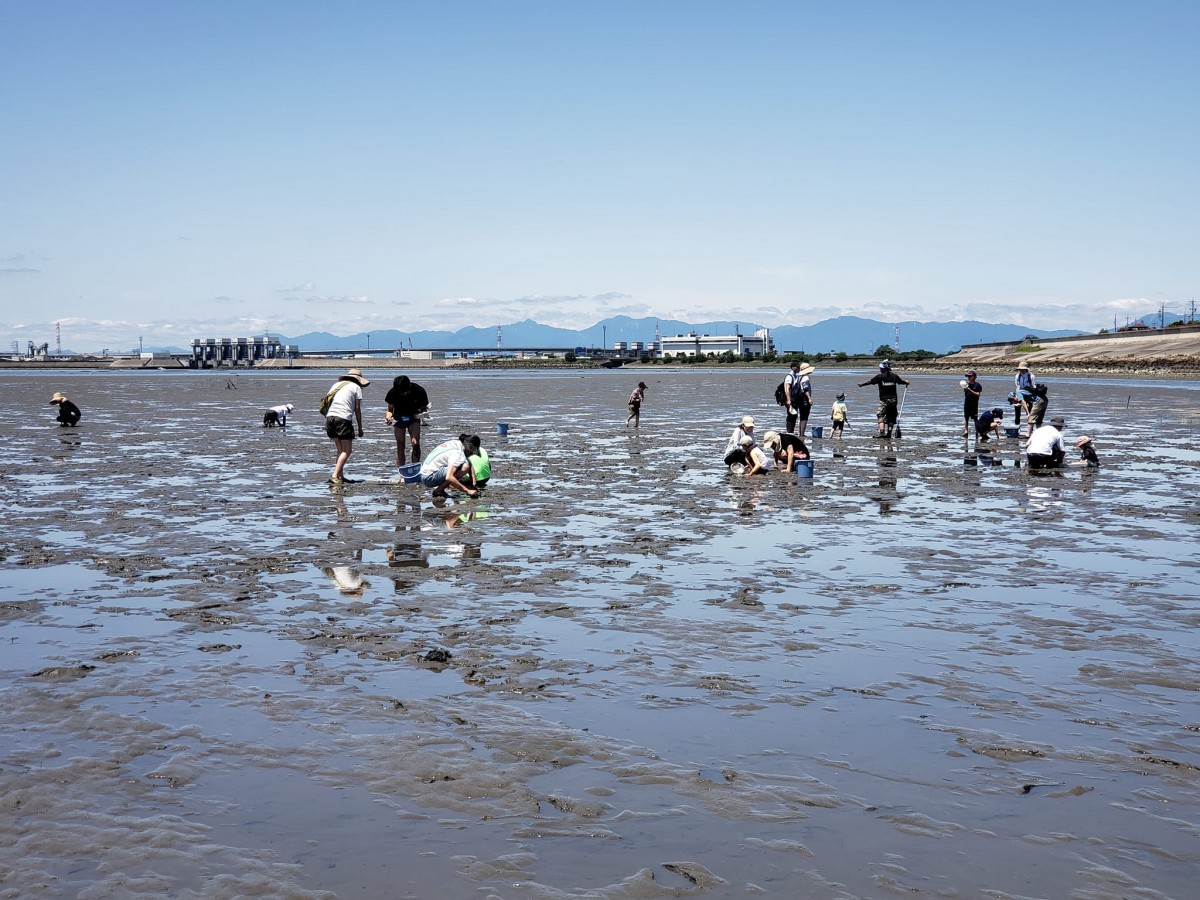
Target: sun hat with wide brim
<point x="355" y="375"/>
<point x="1058" y="422"/>
<point x="805" y="369"/>
<point x="57" y="398"/>
<point x="747" y="441"/>
<point x="1082" y="441"/>
<point x="747" y="421"/>
<point x="1022" y="365"/>
<point x="771" y="439"/>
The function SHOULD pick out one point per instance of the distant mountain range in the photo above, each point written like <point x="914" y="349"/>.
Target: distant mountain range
<point x="844" y="334"/>
<point x="849" y="334"/>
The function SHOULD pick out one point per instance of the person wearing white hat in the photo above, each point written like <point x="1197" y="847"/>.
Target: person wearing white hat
<point x="733" y="449"/>
<point x="68" y="412"/>
<point x="797" y="387"/>
<point x="345" y="409"/>
<point x="277" y="415"/>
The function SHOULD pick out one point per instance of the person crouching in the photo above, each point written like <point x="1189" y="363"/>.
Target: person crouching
<point x="68" y="412"/>
<point x="277" y="415"/>
<point x="446" y="466"/>
<point x="1045" y="448"/>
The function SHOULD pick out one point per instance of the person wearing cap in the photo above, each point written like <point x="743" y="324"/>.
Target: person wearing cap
<point x="733" y="449"/>
<point x="277" y="415"/>
<point x="1036" y="413"/>
<point x="988" y="423"/>
<point x="972" y="391"/>
<point x="785" y="448"/>
<point x="635" y="405"/>
<point x="446" y="466"/>
<point x="345" y="410"/>
<point x="68" y="412"/>
<point x="406" y="402"/>
<point x="888" y="399"/>
<point x="758" y="461"/>
<point x="1087" y="453"/>
<point x="839" y="415"/>
<point x="1045" y="448"/>
<point x="1024" y="384"/>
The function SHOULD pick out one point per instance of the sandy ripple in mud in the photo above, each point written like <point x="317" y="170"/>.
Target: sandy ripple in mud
<point x="619" y="674"/>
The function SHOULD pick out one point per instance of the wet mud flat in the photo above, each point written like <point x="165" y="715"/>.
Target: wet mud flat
<point x="621" y="673"/>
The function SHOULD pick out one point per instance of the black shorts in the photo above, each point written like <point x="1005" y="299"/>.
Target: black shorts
<point x="339" y="429"/>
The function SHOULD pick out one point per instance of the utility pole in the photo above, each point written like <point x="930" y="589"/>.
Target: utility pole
<point x="499" y="341"/>
<point x="139" y="345"/>
<point x="58" y="339"/>
<point x="896" y="339"/>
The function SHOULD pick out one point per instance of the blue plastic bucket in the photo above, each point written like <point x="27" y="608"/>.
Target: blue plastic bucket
<point x="804" y="468"/>
<point x="411" y="473"/>
<point x="501" y="428"/>
<point x="817" y="431"/>
<point x="1012" y="432"/>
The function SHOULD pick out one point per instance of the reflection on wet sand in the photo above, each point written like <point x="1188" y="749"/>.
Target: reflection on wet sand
<point x="623" y="673"/>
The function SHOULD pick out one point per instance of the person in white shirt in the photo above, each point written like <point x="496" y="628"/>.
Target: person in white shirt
<point x="277" y="415"/>
<point x="1045" y="448"/>
<point x="447" y="464"/>
<point x="344" y="410"/>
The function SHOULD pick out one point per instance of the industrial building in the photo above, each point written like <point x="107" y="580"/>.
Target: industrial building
<point x="693" y="344"/>
<point x="216" y="352"/>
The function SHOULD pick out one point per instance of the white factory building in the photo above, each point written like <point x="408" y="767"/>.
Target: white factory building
<point x="693" y="344"/>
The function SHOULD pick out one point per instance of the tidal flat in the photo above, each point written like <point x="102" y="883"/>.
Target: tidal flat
<point x="621" y="673"/>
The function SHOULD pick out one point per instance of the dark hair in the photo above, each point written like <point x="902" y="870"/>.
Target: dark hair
<point x="470" y="442"/>
<point x="401" y="382"/>
<point x="998" y="412"/>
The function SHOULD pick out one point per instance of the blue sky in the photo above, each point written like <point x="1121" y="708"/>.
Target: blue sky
<point x="177" y="170"/>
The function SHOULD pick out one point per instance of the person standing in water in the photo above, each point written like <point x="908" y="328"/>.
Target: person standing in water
<point x="887" y="381"/>
<point x="635" y="405"/>
<point x="345" y="410"/>
<point x="406" y="402"/>
<point x="839" y="415"/>
<point x="972" y="391"/>
<point x="68" y="412"/>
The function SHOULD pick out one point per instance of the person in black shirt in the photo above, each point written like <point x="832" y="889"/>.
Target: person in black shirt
<point x="68" y="412"/>
<point x="406" y="401"/>
<point x="887" y="381"/>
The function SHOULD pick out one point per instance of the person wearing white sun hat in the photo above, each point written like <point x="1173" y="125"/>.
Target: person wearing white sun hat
<point x="345" y="409"/>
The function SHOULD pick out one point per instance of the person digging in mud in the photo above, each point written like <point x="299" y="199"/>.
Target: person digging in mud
<point x="733" y="449"/>
<point x="1087" y="453"/>
<point x="758" y="459"/>
<point x="1045" y="448"/>
<point x="447" y="466"/>
<point x="277" y="415"/>
<point x="988" y="423"/>
<point x="785" y="448"/>
<point x="888" y="400"/>
<point x="68" y="412"/>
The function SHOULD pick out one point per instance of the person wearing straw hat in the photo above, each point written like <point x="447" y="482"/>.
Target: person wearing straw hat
<point x="68" y="412"/>
<point x="345" y="409"/>
<point x="1087" y="453"/>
